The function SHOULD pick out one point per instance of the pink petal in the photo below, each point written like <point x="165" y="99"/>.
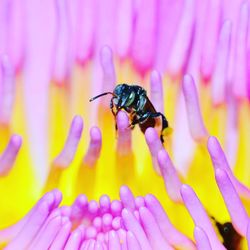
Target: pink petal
<point x="210" y="38"/>
<point x="114" y="242"/>
<point x="240" y="58"/>
<point x="180" y="50"/>
<point x="219" y="78"/>
<point x="143" y="50"/>
<point x="124" y="27"/>
<point x="74" y="240"/>
<point x="132" y="242"/>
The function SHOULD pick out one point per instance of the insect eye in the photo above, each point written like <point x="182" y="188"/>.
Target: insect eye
<point x="130" y="98"/>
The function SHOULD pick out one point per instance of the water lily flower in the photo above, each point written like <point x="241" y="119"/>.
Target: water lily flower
<point x="190" y="192"/>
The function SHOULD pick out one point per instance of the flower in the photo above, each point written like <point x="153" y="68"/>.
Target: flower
<point x="56" y="55"/>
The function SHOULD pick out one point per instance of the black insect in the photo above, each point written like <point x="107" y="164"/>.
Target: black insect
<point x="231" y="239"/>
<point x="133" y="99"/>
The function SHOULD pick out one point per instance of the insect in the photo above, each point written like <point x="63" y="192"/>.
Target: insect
<point x="134" y="100"/>
<point x="231" y="239"/>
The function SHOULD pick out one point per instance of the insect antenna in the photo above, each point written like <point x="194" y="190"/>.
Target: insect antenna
<point x="106" y="93"/>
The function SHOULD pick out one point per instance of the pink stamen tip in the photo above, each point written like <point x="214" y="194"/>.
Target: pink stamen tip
<point x="104" y="204"/>
<point x="94" y="148"/>
<point x="70" y="147"/>
<point x="109" y="77"/>
<point x="202" y="241"/>
<point x="127" y="198"/>
<point x="156" y="91"/>
<point x="97" y="223"/>
<point x="90" y="232"/>
<point x="116" y="223"/>
<point x="107" y="222"/>
<point x="139" y="202"/>
<point x="124" y="133"/>
<point x="93" y="207"/>
<point x="8" y="157"/>
<point x="248" y="234"/>
<point x="170" y="175"/>
<point x="232" y="200"/>
<point x="116" y="207"/>
<point x="195" y="120"/>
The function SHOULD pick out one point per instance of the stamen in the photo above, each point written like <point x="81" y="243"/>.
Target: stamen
<point x="199" y="215"/>
<point x="116" y="207"/>
<point x="62" y="51"/>
<point x="106" y="222"/>
<point x="154" y="145"/>
<point x="171" y="179"/>
<point x="152" y="230"/>
<point x="79" y="208"/>
<point x="195" y="120"/>
<point x="117" y="223"/>
<point x="123" y="240"/>
<point x="156" y="91"/>
<point x="145" y="26"/>
<point x="124" y="134"/>
<point x="104" y="204"/>
<point x="74" y="241"/>
<point x="184" y="33"/>
<point x="133" y="225"/>
<point x="35" y="220"/>
<point x="109" y="76"/>
<point x="139" y="202"/>
<point x="232" y="200"/>
<point x="7" y="90"/>
<point x="49" y="234"/>
<point x="219" y="161"/>
<point x="8" y="157"/>
<point x="114" y="242"/>
<point x="62" y="236"/>
<point x="127" y="198"/>
<point x="219" y="79"/>
<point x="97" y="223"/>
<point x="202" y="241"/>
<point x="67" y="155"/>
<point x="94" y="148"/>
<point x="132" y="241"/>
<point x="172" y="235"/>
